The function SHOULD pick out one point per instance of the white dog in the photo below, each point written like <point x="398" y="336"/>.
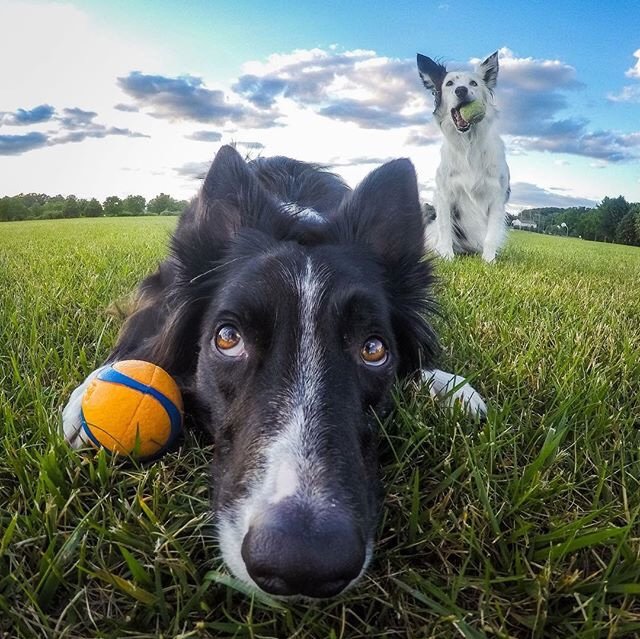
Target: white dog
<point x="472" y="181"/>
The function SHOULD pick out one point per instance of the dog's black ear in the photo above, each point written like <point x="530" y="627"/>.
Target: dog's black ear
<point x="489" y="70"/>
<point x="231" y="199"/>
<point x="431" y="73"/>
<point x="231" y="196"/>
<point x="226" y="171"/>
<point x="384" y="213"/>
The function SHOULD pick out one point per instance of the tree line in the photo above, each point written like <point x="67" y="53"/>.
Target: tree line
<point x="613" y="220"/>
<point x="37" y="206"/>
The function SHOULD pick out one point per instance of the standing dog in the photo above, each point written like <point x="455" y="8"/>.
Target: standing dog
<point x="472" y="181"/>
<point x="286" y="309"/>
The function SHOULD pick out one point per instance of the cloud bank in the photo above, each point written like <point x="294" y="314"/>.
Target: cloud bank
<point x="187" y="98"/>
<point x="73" y="125"/>
<point x="525" y="194"/>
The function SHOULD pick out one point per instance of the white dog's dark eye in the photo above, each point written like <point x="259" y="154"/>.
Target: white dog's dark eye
<point x="450" y="83"/>
<point x="473" y="83"/>
<point x="374" y="352"/>
<point x="228" y="341"/>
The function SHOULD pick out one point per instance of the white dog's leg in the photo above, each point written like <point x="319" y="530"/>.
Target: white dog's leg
<point x="71" y="414"/>
<point x="449" y="389"/>
<point x="496" y="229"/>
<point x="444" y="241"/>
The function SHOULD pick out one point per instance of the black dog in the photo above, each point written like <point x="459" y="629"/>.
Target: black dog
<point x="287" y="308"/>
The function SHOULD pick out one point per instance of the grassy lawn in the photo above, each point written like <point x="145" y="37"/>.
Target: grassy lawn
<point x="525" y="526"/>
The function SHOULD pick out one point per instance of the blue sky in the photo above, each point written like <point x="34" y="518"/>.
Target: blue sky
<point x="127" y="97"/>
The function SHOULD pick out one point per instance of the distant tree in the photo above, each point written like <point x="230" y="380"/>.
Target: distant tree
<point x="53" y="212"/>
<point x="611" y="211"/>
<point x="52" y="208"/>
<point x="134" y="205"/>
<point x="71" y="207"/>
<point x="35" y="211"/>
<point x="16" y="209"/>
<point x="4" y="209"/>
<point x="635" y="209"/>
<point x="588" y="225"/>
<point x="626" y="232"/>
<point x="93" y="208"/>
<point x="572" y="217"/>
<point x="113" y="206"/>
<point x="162" y="203"/>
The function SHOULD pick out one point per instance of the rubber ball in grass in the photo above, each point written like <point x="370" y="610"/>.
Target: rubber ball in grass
<point x="473" y="112"/>
<point x="132" y="408"/>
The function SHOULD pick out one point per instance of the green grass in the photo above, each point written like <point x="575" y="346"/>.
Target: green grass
<point x="525" y="526"/>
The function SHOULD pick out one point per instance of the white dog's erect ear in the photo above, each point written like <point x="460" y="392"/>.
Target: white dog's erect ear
<point x="489" y="70"/>
<point x="431" y="73"/>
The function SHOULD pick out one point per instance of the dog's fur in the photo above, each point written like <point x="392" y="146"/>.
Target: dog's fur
<point x="310" y="278"/>
<point x="472" y="181"/>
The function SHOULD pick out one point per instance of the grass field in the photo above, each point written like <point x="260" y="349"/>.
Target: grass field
<point x="525" y="526"/>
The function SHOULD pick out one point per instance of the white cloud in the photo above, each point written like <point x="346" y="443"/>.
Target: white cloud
<point x="628" y="93"/>
<point x="634" y="71"/>
<point x="534" y="74"/>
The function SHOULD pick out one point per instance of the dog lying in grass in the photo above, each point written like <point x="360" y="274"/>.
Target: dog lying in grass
<point x="286" y="309"/>
<point x="472" y="181"/>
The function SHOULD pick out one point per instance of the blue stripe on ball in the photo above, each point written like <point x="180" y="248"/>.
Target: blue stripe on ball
<point x="116" y="377"/>
<point x="87" y="430"/>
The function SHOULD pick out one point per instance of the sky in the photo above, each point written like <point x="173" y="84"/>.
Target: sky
<point x="127" y="97"/>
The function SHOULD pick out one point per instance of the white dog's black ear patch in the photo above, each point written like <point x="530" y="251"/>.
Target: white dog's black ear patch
<point x="489" y="71"/>
<point x="432" y="75"/>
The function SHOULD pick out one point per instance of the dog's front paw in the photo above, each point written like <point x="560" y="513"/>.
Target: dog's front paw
<point x="450" y="389"/>
<point x="445" y="252"/>
<point x="72" y="414"/>
<point x="489" y="256"/>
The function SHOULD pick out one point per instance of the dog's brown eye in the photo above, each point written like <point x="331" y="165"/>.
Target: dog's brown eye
<point x="473" y="83"/>
<point x="229" y="341"/>
<point x="374" y="352"/>
<point x="450" y="83"/>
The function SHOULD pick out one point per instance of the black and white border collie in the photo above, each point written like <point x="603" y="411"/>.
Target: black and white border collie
<point x="472" y="181"/>
<point x="287" y="308"/>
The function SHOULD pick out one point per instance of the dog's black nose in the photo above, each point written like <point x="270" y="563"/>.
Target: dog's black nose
<point x="461" y="92"/>
<point x="294" y="550"/>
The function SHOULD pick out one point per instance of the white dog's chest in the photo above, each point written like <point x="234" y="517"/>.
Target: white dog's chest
<point x="475" y="177"/>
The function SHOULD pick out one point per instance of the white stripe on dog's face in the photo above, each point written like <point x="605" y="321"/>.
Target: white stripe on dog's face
<point x="286" y="483"/>
<point x="291" y="460"/>
<point x="289" y="464"/>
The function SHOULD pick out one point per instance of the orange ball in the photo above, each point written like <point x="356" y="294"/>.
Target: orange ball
<point x="132" y="408"/>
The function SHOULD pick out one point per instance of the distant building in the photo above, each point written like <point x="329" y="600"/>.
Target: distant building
<point x="527" y="226"/>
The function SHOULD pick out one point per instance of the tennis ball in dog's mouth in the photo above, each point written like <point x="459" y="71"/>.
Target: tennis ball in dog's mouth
<point x="132" y="408"/>
<point x="472" y="112"/>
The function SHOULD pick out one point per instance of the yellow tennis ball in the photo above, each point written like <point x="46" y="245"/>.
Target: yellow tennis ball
<point x="473" y="111"/>
<point x="132" y="408"/>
